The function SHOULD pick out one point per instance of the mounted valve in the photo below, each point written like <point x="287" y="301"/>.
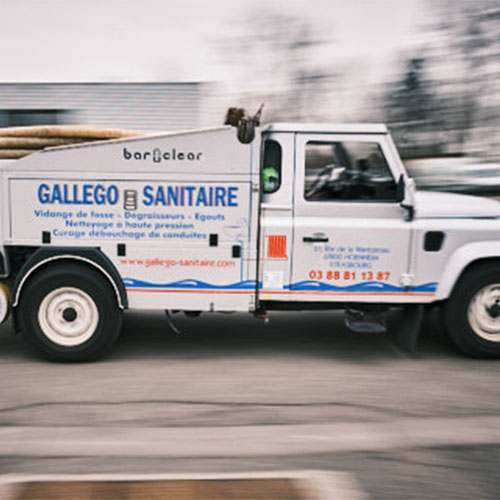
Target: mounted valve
<point x="237" y="117"/>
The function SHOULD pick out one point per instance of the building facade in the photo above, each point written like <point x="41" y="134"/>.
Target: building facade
<point x="139" y="106"/>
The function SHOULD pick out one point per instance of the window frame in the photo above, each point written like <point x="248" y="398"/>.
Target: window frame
<point x="279" y="168"/>
<point x="376" y="139"/>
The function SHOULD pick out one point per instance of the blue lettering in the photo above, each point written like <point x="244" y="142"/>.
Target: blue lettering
<point x="160" y="197"/>
<point x="172" y="195"/>
<point x="112" y="195"/>
<point x="190" y="190"/>
<point x="67" y="200"/>
<point x="77" y="194"/>
<point x="147" y="196"/>
<point x="220" y="194"/>
<point x="43" y="193"/>
<point x="202" y="197"/>
<point x="56" y="195"/>
<point x="99" y="195"/>
<point x="231" y="196"/>
<point x="187" y="195"/>
<point x="87" y="194"/>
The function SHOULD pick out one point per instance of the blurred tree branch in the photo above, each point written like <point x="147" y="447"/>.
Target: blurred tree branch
<point x="448" y="97"/>
<point x="275" y="58"/>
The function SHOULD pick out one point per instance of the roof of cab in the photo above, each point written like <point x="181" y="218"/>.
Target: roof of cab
<point x="327" y="128"/>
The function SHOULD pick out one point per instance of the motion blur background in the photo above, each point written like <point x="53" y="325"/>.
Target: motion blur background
<point x="430" y="69"/>
<point x="411" y="427"/>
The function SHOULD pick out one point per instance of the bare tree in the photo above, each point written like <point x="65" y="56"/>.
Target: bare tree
<point x="448" y="97"/>
<point x="414" y="111"/>
<point x="274" y="58"/>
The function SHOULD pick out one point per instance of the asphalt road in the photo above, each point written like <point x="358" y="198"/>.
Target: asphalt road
<point x="404" y="426"/>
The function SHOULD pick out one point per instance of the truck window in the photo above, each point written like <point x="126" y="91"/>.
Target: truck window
<point x="347" y="171"/>
<point x="271" y="168"/>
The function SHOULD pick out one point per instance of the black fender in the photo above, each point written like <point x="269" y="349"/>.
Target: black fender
<point x="92" y="256"/>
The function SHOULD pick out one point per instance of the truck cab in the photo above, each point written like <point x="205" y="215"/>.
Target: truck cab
<point x="337" y="217"/>
<point x="345" y="225"/>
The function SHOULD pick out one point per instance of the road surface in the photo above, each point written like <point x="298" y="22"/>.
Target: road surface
<point x="232" y="394"/>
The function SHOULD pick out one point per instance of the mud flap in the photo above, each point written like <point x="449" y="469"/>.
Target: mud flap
<point x="410" y="327"/>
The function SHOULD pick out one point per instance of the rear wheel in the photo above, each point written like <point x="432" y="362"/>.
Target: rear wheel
<point x="69" y="312"/>
<point x="472" y="314"/>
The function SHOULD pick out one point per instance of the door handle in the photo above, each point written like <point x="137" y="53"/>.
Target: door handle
<point x="315" y="239"/>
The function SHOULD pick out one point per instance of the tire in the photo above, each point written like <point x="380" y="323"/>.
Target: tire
<point x="69" y="312"/>
<point x="471" y="316"/>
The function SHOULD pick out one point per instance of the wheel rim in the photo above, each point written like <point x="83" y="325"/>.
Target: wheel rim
<point x="68" y="316"/>
<point x="484" y="313"/>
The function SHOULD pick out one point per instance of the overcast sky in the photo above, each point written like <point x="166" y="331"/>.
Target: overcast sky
<point x="179" y="40"/>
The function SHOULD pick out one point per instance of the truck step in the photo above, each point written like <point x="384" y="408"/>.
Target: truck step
<point x="365" y="319"/>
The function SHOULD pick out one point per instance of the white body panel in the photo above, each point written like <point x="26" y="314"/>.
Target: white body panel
<point x="460" y="259"/>
<point x="368" y="242"/>
<point x="367" y="253"/>
<point x="179" y="210"/>
<point x="449" y="205"/>
<point x="466" y="239"/>
<point x="277" y="227"/>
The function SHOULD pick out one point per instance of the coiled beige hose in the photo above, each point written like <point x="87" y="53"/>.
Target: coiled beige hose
<point x="16" y="142"/>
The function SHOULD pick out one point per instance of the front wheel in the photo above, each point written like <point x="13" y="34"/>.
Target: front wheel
<point x="69" y="313"/>
<point x="472" y="314"/>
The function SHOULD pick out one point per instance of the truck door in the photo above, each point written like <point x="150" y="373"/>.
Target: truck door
<point x="351" y="241"/>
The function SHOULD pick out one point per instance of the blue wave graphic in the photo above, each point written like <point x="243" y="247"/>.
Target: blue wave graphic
<point x="428" y="287"/>
<point x="309" y="285"/>
<point x="190" y="284"/>
<point x="367" y="286"/>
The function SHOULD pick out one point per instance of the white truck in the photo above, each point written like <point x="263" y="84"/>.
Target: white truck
<point x="288" y="217"/>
